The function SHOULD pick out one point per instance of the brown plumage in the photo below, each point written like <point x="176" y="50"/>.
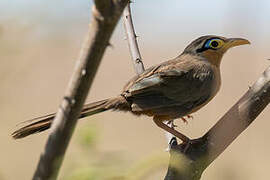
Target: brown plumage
<point x="44" y="122"/>
<point x="167" y="91"/>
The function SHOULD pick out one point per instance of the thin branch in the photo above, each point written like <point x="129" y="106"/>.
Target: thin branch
<point x="105" y="17"/>
<point x="190" y="164"/>
<point x="132" y="40"/>
<point x="137" y="59"/>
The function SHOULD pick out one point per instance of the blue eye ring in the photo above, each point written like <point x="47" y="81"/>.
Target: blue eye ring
<point x="214" y="44"/>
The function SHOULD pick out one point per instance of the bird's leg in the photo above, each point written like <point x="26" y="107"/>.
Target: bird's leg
<point x="181" y="136"/>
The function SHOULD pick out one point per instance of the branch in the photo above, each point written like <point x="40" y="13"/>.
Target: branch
<point x="189" y="164"/>
<point x="105" y="15"/>
<point x="132" y="40"/>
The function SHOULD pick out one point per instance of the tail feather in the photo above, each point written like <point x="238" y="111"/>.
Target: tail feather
<point x="43" y="123"/>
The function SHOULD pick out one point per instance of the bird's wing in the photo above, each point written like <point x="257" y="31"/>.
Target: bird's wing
<point x="152" y="89"/>
<point x="166" y="85"/>
<point x="154" y="77"/>
<point x="154" y="81"/>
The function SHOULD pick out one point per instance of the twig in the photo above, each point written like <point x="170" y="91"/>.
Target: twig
<point x="106" y="14"/>
<point x="137" y="59"/>
<point x="132" y="40"/>
<point x="189" y="165"/>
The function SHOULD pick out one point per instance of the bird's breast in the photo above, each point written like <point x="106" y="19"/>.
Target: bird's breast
<point x="211" y="82"/>
<point x="216" y="83"/>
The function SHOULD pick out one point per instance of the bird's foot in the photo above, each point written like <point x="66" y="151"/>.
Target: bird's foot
<point x="171" y="124"/>
<point x="189" y="116"/>
<point x="186" y="145"/>
<point x="185" y="120"/>
<point x="191" y="142"/>
<point x="171" y="130"/>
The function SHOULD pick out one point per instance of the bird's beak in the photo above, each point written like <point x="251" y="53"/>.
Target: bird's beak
<point x="232" y="42"/>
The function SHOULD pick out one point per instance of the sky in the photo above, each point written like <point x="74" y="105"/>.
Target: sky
<point x="209" y="16"/>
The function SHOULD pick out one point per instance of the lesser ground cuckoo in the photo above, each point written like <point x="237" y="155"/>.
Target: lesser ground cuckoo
<point x="170" y="90"/>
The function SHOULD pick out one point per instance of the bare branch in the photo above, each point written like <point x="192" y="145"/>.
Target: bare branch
<point x="190" y="164"/>
<point x="132" y="41"/>
<point x="105" y="17"/>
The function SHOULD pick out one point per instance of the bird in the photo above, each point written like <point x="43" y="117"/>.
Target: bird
<point x="171" y="90"/>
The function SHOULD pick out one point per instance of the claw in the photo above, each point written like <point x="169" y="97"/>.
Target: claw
<point x="189" y="116"/>
<point x="171" y="124"/>
<point x="184" y="120"/>
<point x="187" y="145"/>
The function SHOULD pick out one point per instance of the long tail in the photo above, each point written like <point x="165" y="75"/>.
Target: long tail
<point x="44" y="122"/>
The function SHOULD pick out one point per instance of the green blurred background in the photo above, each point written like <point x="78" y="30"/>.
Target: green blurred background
<point x="39" y="43"/>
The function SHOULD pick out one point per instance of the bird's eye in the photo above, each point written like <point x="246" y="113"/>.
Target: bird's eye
<point x="214" y="43"/>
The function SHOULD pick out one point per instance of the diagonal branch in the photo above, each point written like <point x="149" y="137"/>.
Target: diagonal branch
<point x="132" y="40"/>
<point x="190" y="164"/>
<point x="105" y="15"/>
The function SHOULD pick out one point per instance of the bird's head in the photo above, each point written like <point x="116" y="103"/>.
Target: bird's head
<point x="212" y="48"/>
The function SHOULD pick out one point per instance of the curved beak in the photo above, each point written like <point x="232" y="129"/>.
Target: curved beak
<point x="232" y="42"/>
